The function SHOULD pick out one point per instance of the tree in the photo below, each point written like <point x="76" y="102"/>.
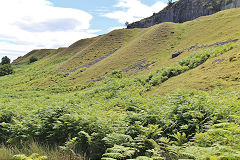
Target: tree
<point x="169" y="1"/>
<point x="126" y="24"/>
<point x="5" y="60"/>
<point x="5" y="66"/>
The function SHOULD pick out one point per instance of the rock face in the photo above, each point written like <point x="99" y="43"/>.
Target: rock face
<point x="185" y="10"/>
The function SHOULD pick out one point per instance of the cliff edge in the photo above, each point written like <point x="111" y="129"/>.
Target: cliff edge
<point x="185" y="10"/>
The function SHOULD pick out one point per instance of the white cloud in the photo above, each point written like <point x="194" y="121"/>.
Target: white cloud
<point x="32" y="24"/>
<point x="134" y="10"/>
<point x="115" y="28"/>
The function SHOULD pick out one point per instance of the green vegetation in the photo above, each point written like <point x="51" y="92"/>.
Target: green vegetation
<point x="227" y="2"/>
<point x="47" y="112"/>
<point x="34" y="156"/>
<point x="5" y="67"/>
<point x="186" y="64"/>
<point x="33" y="59"/>
<point x="184" y="121"/>
<point x="117" y="115"/>
<point x="5" y="60"/>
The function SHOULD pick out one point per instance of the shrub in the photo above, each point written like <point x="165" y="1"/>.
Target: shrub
<point x="33" y="59"/>
<point x="116" y="74"/>
<point x="6" y="69"/>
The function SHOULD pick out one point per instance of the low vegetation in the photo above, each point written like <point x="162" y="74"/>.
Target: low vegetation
<point x="121" y="126"/>
<point x="115" y="119"/>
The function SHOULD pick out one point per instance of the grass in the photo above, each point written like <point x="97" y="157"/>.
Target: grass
<point x="5" y="153"/>
<point x="53" y="153"/>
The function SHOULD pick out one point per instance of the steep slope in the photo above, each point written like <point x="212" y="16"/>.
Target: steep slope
<point x="157" y="43"/>
<point x="138" y="52"/>
<point x="222" y="71"/>
<point x="85" y="52"/>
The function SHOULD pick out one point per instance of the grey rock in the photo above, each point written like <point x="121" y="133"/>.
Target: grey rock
<point x="218" y="61"/>
<point x="139" y="66"/>
<point x="185" y="10"/>
<point x="175" y="54"/>
<point x="93" y="62"/>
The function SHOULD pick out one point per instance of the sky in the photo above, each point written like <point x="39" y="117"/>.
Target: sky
<point x="36" y="24"/>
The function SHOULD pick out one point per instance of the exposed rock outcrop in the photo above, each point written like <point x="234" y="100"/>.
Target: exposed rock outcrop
<point x="94" y="62"/>
<point x="185" y="10"/>
<point x="177" y="53"/>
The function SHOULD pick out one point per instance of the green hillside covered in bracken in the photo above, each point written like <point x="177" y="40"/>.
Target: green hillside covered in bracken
<point x="122" y="96"/>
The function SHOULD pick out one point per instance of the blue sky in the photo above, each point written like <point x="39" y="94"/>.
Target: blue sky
<point x="98" y="8"/>
<point x="35" y="24"/>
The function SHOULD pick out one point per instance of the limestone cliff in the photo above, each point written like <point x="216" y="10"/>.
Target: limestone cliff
<point x="185" y="10"/>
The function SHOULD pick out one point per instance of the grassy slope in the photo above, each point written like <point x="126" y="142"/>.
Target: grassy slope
<point x="39" y="53"/>
<point x="219" y="71"/>
<point x="95" y="48"/>
<point x="208" y="30"/>
<point x="149" y="45"/>
<point x="156" y="43"/>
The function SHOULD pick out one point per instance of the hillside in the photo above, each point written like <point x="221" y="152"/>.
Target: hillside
<point x="121" y="96"/>
<point x="134" y="48"/>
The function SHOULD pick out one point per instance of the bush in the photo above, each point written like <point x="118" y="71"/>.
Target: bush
<point x="33" y="59"/>
<point x="6" y="69"/>
<point x="116" y="74"/>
